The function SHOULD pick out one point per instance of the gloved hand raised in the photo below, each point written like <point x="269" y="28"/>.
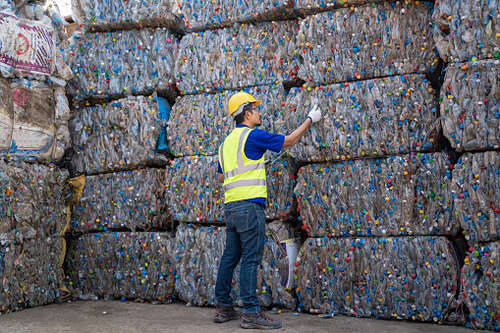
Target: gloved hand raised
<point x="315" y="113"/>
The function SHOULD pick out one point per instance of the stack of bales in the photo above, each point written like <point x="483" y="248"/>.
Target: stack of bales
<point x="376" y="202"/>
<point x="121" y="246"/>
<point x="467" y="37"/>
<point x="373" y="187"/>
<point x="34" y="134"/>
<point x="228" y="47"/>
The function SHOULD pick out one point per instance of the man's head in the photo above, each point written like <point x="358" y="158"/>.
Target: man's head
<point x="250" y="115"/>
<point x="243" y="108"/>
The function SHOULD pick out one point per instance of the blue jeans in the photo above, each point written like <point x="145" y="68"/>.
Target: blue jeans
<point x="245" y="234"/>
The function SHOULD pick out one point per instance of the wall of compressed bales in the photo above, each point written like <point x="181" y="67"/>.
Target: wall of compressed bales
<point x="390" y="203"/>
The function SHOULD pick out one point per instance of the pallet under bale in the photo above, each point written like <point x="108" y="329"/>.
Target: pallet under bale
<point x="119" y="135"/>
<point x="412" y="278"/>
<point x="122" y="265"/>
<point x="198" y="124"/>
<point x="129" y="62"/>
<point x="366" y="42"/>
<point x="30" y="274"/>
<point x="198" y="253"/>
<point x="480" y="289"/>
<point x="194" y="194"/>
<point x="126" y="200"/>
<point x="476" y="189"/>
<point x="470" y="99"/>
<point x="241" y="56"/>
<point x="466" y="30"/>
<point x="397" y="195"/>
<point x="32" y="198"/>
<point x="372" y="118"/>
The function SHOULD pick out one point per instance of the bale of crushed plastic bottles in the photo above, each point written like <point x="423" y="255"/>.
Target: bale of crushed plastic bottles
<point x="308" y="7"/>
<point x="372" y="118"/>
<point x="476" y="189"/>
<point x="122" y="134"/>
<point x="199" y="123"/>
<point x="412" y="278"/>
<point x="392" y="196"/>
<point x="365" y="42"/>
<point x="126" y="200"/>
<point x="237" y="57"/>
<point x="194" y="194"/>
<point x="198" y="252"/>
<point x="30" y="274"/>
<point x="114" y="64"/>
<point x="32" y="198"/>
<point x="201" y="15"/>
<point x="108" y="15"/>
<point x="33" y="120"/>
<point x="470" y="99"/>
<point x="480" y="286"/>
<point x="466" y="30"/>
<point x="122" y="265"/>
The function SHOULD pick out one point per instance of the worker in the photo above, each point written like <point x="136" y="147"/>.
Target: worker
<point x="243" y="174"/>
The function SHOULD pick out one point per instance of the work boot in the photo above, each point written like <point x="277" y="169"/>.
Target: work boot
<point x="225" y="313"/>
<point x="259" y="320"/>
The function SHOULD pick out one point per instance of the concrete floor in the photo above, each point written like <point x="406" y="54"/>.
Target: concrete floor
<point x="129" y="317"/>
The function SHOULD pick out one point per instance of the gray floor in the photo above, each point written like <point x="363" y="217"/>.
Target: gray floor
<point x="129" y="317"/>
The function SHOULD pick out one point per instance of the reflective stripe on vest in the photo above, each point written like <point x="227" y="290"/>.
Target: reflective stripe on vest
<point x="247" y="178"/>
<point x="245" y="182"/>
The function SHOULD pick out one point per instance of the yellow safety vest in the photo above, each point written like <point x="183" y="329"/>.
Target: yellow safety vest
<point x="243" y="178"/>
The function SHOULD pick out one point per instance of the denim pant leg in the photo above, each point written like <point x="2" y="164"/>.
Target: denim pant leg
<point x="228" y="262"/>
<point x="252" y="249"/>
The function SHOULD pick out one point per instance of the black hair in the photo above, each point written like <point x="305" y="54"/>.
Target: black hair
<point x="241" y="117"/>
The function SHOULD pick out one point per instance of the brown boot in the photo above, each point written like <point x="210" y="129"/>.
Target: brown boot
<point x="259" y="320"/>
<point x="225" y="313"/>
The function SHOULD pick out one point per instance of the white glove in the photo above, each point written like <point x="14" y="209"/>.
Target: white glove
<point x="315" y="113"/>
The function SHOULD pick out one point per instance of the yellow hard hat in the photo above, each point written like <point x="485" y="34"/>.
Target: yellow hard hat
<point x="239" y="99"/>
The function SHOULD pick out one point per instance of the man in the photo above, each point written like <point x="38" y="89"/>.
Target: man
<point x="242" y="170"/>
